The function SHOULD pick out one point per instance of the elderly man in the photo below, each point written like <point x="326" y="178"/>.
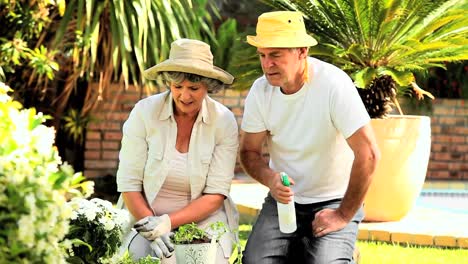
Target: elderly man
<point x="317" y="131"/>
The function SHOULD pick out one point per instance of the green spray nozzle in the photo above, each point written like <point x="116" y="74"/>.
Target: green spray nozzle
<point x="284" y="179"/>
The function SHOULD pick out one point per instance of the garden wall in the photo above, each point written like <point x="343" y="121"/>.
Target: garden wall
<point x="449" y="118"/>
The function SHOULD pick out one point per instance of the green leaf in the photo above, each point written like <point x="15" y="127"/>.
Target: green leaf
<point x="363" y="77"/>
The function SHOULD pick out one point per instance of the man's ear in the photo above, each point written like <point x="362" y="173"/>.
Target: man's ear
<point x="303" y="52"/>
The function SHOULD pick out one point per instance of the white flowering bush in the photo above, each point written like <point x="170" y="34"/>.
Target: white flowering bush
<point x="34" y="184"/>
<point x="96" y="228"/>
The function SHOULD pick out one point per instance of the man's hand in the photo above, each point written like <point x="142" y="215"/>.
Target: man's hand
<point x="327" y="221"/>
<point x="152" y="227"/>
<point x="280" y="192"/>
<point x="162" y="246"/>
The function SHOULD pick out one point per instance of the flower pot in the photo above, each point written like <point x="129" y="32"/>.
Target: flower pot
<point x="404" y="143"/>
<point x="204" y="253"/>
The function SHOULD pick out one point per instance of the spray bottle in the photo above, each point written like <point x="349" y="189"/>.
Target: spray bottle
<point x="286" y="212"/>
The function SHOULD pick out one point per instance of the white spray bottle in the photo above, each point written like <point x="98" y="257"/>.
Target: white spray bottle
<point x="286" y="212"/>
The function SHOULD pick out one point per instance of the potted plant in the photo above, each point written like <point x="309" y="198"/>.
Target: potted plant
<point x="196" y="245"/>
<point x="381" y="44"/>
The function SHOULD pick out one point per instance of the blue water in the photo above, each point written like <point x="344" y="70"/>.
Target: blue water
<point x="449" y="200"/>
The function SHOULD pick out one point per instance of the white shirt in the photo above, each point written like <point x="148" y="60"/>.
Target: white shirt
<point x="308" y="130"/>
<point x="148" y="145"/>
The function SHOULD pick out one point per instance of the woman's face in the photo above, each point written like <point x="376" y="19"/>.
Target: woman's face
<point x="188" y="97"/>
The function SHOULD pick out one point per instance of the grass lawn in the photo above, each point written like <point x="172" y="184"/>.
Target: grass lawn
<point x="383" y="253"/>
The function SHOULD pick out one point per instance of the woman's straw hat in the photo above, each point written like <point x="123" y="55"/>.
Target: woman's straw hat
<point x="281" y="29"/>
<point x="190" y="56"/>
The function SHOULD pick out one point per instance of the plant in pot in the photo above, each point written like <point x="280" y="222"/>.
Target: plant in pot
<point x="196" y="245"/>
<point x="381" y="44"/>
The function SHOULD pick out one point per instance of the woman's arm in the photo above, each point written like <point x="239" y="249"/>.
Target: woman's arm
<point x="137" y="205"/>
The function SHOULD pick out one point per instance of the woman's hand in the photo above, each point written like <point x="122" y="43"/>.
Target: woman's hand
<point x="152" y="227"/>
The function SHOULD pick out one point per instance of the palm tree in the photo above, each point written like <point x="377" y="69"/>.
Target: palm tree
<point x="382" y="43"/>
<point x="51" y="52"/>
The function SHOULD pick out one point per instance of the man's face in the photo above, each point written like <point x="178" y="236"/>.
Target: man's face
<point x="282" y="66"/>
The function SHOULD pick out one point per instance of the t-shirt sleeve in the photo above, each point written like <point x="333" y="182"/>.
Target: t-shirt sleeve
<point x="253" y="120"/>
<point x="348" y="112"/>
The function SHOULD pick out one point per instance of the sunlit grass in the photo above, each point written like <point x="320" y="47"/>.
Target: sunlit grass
<point x="385" y="253"/>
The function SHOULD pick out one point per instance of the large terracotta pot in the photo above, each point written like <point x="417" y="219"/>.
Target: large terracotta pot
<point x="405" y="143"/>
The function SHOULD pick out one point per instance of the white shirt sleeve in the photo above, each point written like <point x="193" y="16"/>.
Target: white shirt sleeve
<point x="253" y="121"/>
<point x="347" y="109"/>
<point x="133" y="153"/>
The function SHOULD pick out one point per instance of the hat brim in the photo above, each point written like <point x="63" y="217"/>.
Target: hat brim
<point x="189" y="66"/>
<point x="282" y="41"/>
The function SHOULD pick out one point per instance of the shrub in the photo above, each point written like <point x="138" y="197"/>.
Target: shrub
<point x="33" y="186"/>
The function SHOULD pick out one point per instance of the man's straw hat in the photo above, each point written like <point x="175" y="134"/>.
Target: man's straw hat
<point x="190" y="56"/>
<point x="281" y="29"/>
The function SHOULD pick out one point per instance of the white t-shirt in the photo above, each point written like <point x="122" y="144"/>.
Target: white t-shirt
<point x="307" y="130"/>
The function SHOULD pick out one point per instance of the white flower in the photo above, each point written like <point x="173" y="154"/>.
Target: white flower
<point x="109" y="225"/>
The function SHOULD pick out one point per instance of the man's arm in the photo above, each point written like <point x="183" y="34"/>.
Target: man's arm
<point x="366" y="156"/>
<point x="255" y="166"/>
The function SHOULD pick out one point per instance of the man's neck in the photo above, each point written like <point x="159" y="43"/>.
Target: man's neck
<point x="299" y="80"/>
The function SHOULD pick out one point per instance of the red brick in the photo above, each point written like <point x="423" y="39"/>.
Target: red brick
<point x="110" y="155"/>
<point x="462" y="148"/>
<point x="454" y="166"/>
<point x="436" y="165"/>
<point x="93" y="135"/>
<point x="442" y="156"/>
<point x="461" y="112"/>
<point x="111" y="145"/>
<point x="437" y="147"/>
<point x="435" y="129"/>
<point x="92" y="144"/>
<point x="118" y="116"/>
<point x="89" y="174"/>
<point x="112" y="136"/>
<point x="100" y="164"/>
<point x="452" y="120"/>
<point x="440" y="174"/>
<point x="458" y="139"/>
<point x="92" y="154"/>
<point x="232" y="93"/>
<point x="129" y="97"/>
<point x="455" y="175"/>
<point x="112" y="126"/>
<point x="237" y="111"/>
<point x="127" y="107"/>
<point x="231" y="102"/>
<point x="444" y="111"/>
<point x="103" y="125"/>
<point x="464" y="166"/>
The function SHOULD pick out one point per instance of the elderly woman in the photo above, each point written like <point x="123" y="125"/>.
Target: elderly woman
<point x="178" y="154"/>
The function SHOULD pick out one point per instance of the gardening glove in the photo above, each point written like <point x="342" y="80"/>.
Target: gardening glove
<point x="162" y="246"/>
<point x="151" y="227"/>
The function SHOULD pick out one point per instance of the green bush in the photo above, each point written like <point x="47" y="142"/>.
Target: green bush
<point x="34" y="185"/>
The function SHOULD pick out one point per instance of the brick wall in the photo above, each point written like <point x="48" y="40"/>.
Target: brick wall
<point x="449" y="157"/>
<point x="449" y="150"/>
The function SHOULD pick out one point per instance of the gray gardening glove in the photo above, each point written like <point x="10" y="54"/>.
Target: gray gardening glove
<point x="151" y="227"/>
<point x="162" y="246"/>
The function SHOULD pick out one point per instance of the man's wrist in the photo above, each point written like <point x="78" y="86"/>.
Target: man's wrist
<point x="345" y="215"/>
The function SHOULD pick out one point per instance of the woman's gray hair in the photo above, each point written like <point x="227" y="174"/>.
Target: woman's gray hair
<point x="213" y="85"/>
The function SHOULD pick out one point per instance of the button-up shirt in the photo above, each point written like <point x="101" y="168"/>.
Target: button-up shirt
<point x="148" y="145"/>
